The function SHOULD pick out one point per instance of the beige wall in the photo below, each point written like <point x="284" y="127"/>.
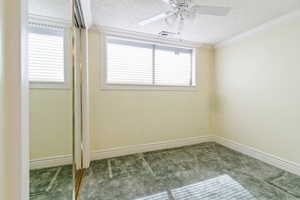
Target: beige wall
<point x="50" y="122"/>
<point x="120" y="118"/>
<point x="258" y="90"/>
<point x="257" y="101"/>
<point x="3" y="139"/>
<point x="128" y="117"/>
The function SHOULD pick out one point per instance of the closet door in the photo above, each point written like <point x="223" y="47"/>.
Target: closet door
<point x="50" y="72"/>
<point x="80" y="96"/>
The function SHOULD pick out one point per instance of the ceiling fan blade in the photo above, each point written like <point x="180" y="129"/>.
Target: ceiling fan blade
<point x="156" y="18"/>
<point x="211" y="10"/>
<point x="166" y="1"/>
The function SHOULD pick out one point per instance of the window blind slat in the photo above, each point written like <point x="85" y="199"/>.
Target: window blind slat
<point x="129" y="64"/>
<point x="139" y="63"/>
<point x="46" y="54"/>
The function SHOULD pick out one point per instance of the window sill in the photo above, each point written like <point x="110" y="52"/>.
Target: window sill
<point x="148" y="87"/>
<point x="41" y="85"/>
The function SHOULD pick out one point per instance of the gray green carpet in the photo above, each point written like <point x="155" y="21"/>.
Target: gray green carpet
<point x="206" y="171"/>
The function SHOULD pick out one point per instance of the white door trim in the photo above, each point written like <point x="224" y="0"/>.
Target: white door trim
<point x="16" y="100"/>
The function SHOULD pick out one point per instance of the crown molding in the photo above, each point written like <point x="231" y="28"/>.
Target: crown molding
<point x="148" y="37"/>
<point x="263" y="27"/>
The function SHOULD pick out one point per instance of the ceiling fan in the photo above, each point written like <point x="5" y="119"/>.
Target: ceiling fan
<point x="185" y="9"/>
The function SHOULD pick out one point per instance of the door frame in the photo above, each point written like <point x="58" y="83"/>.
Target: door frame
<point x="16" y="120"/>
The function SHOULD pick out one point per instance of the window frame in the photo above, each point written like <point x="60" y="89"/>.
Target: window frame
<point x="160" y="43"/>
<point x="67" y="56"/>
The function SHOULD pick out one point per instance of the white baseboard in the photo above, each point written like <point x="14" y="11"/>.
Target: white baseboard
<point x="51" y="162"/>
<point x="260" y="155"/>
<point x="121" y="151"/>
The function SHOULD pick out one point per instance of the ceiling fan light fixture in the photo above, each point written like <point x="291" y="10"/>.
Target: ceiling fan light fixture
<point x="185" y="9"/>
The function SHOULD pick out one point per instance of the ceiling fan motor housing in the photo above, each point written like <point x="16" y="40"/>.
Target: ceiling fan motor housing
<point x="180" y="3"/>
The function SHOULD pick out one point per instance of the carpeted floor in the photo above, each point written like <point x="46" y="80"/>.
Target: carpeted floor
<point x="206" y="171"/>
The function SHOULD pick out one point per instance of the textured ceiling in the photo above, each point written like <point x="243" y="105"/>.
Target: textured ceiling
<point x="60" y="9"/>
<point x="245" y="15"/>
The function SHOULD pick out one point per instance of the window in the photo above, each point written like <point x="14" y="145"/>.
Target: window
<point x="130" y="62"/>
<point x="46" y="54"/>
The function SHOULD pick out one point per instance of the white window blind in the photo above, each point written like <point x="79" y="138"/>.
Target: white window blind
<point x="131" y="62"/>
<point x="173" y="66"/>
<point x="46" y="54"/>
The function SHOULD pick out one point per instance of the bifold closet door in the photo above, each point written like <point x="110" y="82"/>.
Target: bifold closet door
<point x="50" y="69"/>
<point x="81" y="100"/>
<point x="85" y="101"/>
